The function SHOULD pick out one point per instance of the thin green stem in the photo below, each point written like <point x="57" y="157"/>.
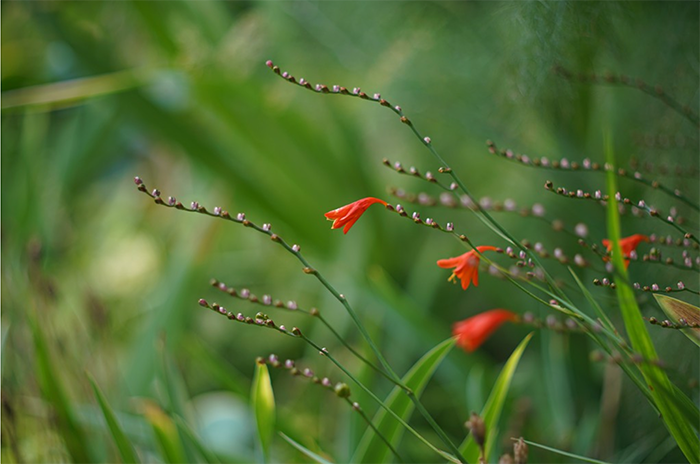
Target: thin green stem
<point x="384" y="406"/>
<point x="392" y="376"/>
<point x="371" y="425"/>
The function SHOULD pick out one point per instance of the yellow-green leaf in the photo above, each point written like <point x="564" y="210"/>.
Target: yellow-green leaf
<point x="676" y="310"/>
<point x="494" y="405"/>
<point x="263" y="401"/>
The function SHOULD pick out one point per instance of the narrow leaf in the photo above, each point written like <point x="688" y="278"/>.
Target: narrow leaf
<point x="662" y="390"/>
<point x="126" y="449"/>
<point x="53" y="391"/>
<point x="194" y="440"/>
<point x="263" y="401"/>
<point x="165" y="432"/>
<point x="676" y="310"/>
<point x="494" y="405"/>
<point x="371" y="447"/>
<point x="310" y="454"/>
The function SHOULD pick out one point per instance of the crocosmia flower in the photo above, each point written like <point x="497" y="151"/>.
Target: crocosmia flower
<point x="472" y="332"/>
<point x="466" y="266"/>
<point x="627" y="244"/>
<point x="347" y="215"/>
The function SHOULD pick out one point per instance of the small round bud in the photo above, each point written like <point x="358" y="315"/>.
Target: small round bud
<point x="203" y="302"/>
<point x="427" y="140"/>
<point x="296" y="248"/>
<point x="342" y="390"/>
<point x="289" y="364"/>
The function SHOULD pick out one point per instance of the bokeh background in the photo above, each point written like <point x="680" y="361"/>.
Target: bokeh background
<point x="95" y="93"/>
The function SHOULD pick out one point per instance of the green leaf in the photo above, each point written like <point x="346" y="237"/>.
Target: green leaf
<point x="263" y="401"/>
<point x="194" y="440"/>
<point x="304" y="450"/>
<point x="494" y="405"/>
<point x="53" y="391"/>
<point x="165" y="432"/>
<point x="124" y="446"/>
<point x="564" y="453"/>
<point x="371" y="447"/>
<point x="676" y="310"/>
<point x="662" y="390"/>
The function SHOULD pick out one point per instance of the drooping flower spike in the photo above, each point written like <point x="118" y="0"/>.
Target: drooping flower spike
<point x="627" y="244"/>
<point x="466" y="266"/>
<point x="347" y="215"/>
<point x="472" y="332"/>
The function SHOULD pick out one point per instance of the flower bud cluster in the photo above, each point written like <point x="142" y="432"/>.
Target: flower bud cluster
<point x="265" y="300"/>
<point x="260" y="319"/>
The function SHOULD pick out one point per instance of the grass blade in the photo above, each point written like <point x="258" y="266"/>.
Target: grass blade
<point x="194" y="440"/>
<point x="662" y="390"/>
<point x="494" y="405"/>
<point x="165" y="432"/>
<point x="123" y="444"/>
<point x="310" y="454"/>
<point x="56" y="395"/>
<point x="263" y="401"/>
<point x="371" y="447"/>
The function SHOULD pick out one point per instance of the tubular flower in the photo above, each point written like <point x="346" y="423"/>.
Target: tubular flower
<point x="472" y="332"/>
<point x="347" y="215"/>
<point x="466" y="266"/>
<point x="627" y="244"/>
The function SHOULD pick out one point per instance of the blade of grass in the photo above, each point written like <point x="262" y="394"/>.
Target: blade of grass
<point x="371" y="447"/>
<point x="263" y="401"/>
<point x="165" y="432"/>
<point x="124" y="446"/>
<point x="662" y="390"/>
<point x="176" y="390"/>
<point x="310" y="454"/>
<point x="192" y="437"/>
<point x="53" y="391"/>
<point x="494" y="405"/>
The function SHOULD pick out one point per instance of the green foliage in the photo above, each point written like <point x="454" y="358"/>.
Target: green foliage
<point x="371" y="447"/>
<point x="662" y="390"/>
<point x="263" y="401"/>
<point x="494" y="406"/>
<point x="98" y="279"/>
<point x="126" y="449"/>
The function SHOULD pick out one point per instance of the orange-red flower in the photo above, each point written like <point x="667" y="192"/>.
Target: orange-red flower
<point x="627" y="244"/>
<point x="472" y="332"/>
<point x="347" y="215"/>
<point x="466" y="266"/>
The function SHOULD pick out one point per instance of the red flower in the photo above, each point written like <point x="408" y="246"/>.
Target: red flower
<point x="472" y="332"/>
<point x="466" y="266"/>
<point x="348" y="214"/>
<point x="627" y="244"/>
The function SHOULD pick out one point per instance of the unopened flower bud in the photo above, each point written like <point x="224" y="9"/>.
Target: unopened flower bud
<point x="477" y="428"/>
<point x="342" y="390"/>
<point x="505" y="459"/>
<point x="520" y="451"/>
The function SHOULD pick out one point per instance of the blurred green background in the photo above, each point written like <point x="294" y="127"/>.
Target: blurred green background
<point x="95" y="93"/>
